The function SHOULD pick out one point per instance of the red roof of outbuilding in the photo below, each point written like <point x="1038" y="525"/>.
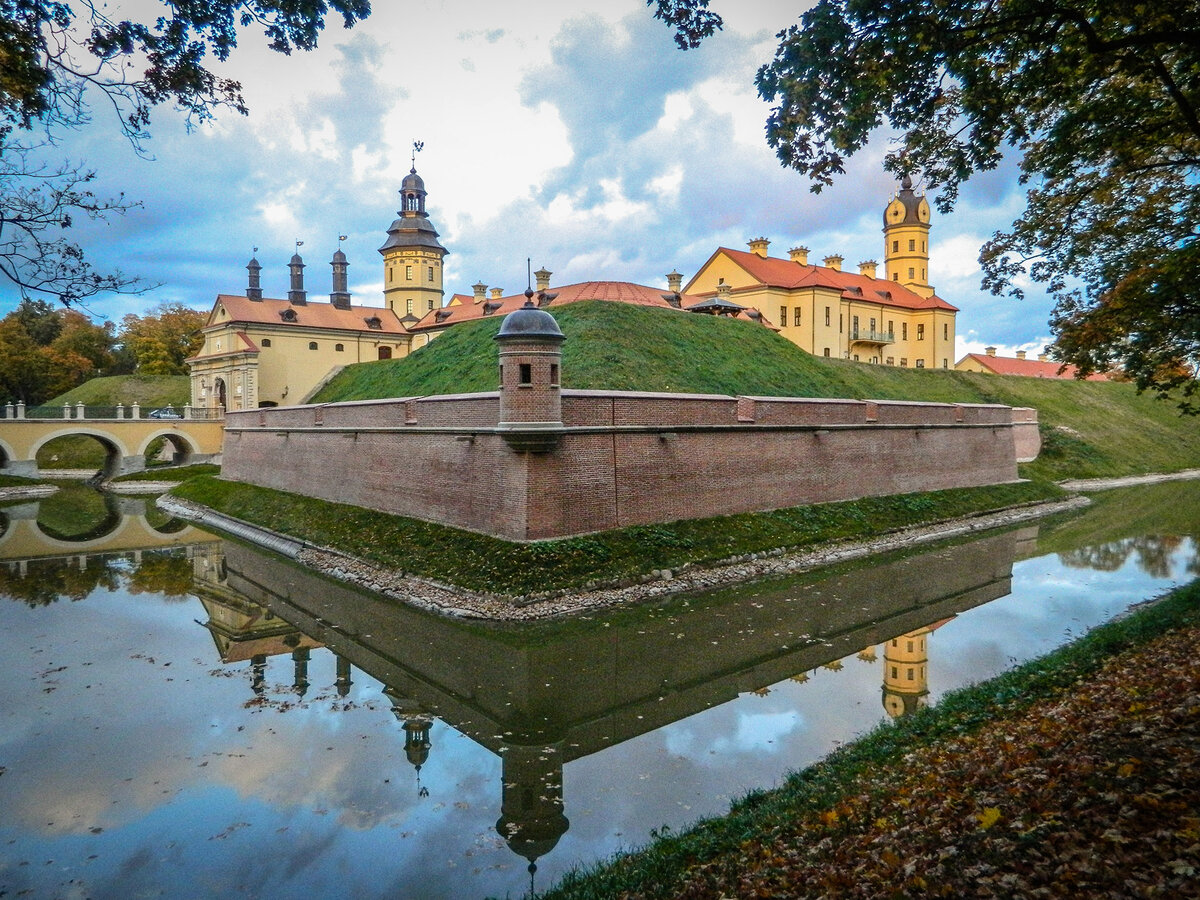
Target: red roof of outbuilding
<point x="1029" y="368"/>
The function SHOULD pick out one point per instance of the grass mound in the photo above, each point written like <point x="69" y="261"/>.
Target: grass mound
<point x="150" y="391"/>
<point x="1090" y="429"/>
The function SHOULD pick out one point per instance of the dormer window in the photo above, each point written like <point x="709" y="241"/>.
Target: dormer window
<point x="491" y="306"/>
<point x="374" y="322"/>
<point x="442" y="315"/>
<point x="288" y="315"/>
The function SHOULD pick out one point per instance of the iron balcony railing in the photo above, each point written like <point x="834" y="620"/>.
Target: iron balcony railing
<point x="869" y="336"/>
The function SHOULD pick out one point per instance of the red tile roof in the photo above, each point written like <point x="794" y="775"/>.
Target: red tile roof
<point x="310" y="315"/>
<point x="617" y="291"/>
<point x="783" y="273"/>
<point x="1030" y="368"/>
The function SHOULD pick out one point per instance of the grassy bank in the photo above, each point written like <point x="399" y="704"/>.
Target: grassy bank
<point x="489" y="564"/>
<point x="873" y="815"/>
<point x="171" y="473"/>
<point x="150" y="391"/>
<point x="1090" y="429"/>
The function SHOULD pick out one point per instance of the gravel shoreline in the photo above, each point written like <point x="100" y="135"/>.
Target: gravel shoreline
<point x="452" y="601"/>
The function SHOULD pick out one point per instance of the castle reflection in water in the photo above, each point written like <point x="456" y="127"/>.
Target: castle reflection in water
<point x="538" y="695"/>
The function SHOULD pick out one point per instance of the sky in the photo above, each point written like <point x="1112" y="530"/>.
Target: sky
<point x="572" y="134"/>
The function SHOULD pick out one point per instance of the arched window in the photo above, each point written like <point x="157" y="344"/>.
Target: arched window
<point x="339" y="347"/>
<point x="266" y="342"/>
<point x="385" y="352"/>
<point x="312" y="345"/>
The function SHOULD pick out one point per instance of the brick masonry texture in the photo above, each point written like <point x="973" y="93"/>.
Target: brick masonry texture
<point x="623" y="458"/>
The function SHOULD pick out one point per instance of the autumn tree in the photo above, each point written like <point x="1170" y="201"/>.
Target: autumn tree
<point x="1099" y="101"/>
<point x="57" y="59"/>
<point x="162" y="339"/>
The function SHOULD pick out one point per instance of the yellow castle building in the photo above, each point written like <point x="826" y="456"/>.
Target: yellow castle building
<point x="896" y="320"/>
<point x="260" y="351"/>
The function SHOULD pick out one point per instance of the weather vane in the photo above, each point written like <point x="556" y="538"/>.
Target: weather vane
<point x="341" y="237"/>
<point x="418" y="146"/>
<point x="299" y="244"/>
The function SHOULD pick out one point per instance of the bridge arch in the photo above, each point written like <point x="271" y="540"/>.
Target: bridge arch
<point x="115" y="451"/>
<point x="184" y="446"/>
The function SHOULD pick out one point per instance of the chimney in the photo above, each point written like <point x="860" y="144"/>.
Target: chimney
<point x="990" y="351"/>
<point x="674" y="281"/>
<point x="867" y="268"/>
<point x="799" y="255"/>
<point x="758" y="246"/>
<point x="480" y="290"/>
<point x="1020" y="354"/>
<point x="1043" y="356"/>
<point x="297" y="295"/>
<point x="254" y="288"/>
<point x="497" y="293"/>
<point x="723" y="290"/>
<point x="543" y="278"/>
<point x="834" y="262"/>
<point x="340" y="296"/>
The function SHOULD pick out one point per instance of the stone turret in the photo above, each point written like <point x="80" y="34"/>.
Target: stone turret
<point x="296" y="294"/>
<point x="530" y="391"/>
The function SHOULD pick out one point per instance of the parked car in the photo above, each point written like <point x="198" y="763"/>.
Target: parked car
<point x="166" y="413"/>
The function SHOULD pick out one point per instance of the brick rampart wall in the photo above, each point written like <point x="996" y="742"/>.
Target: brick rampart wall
<point x="623" y="458"/>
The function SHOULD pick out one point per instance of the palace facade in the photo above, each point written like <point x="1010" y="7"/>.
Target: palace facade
<point x="261" y="352"/>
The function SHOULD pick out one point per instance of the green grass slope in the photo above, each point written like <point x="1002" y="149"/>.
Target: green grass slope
<point x="151" y="391"/>
<point x="1090" y="429"/>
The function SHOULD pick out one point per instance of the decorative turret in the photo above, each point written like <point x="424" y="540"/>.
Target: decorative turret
<point x="340" y="296"/>
<point x="906" y="673"/>
<point x="531" y="805"/>
<point x="412" y="255"/>
<point x="296" y="294"/>
<point x="543" y="278"/>
<point x="530" y="393"/>
<point x="254" y="286"/>
<point x="906" y="239"/>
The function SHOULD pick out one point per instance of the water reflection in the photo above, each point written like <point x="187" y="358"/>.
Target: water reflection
<point x="212" y="736"/>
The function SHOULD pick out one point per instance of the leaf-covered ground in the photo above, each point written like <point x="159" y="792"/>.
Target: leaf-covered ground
<point x="1093" y="793"/>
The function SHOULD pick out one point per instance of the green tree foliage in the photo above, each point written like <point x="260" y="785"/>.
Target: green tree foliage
<point x="1100" y="102"/>
<point x="163" y="339"/>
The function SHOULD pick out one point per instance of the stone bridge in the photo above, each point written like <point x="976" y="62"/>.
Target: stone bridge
<point x="193" y="435"/>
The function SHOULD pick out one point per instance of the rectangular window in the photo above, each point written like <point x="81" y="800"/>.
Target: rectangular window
<point x="920" y="363"/>
<point x="826" y="351"/>
<point x="945" y="331"/>
<point x="431" y="273"/>
<point x="891" y="327"/>
<point x="920" y="332"/>
<point x="408" y="304"/>
<point x="431" y="304"/>
<point x="827" y="316"/>
<point x="904" y="361"/>
<point x="872" y="324"/>
<point x="796" y="317"/>
<point x="912" y="273"/>
<point x="895" y="246"/>
<point x="904" y="331"/>
<point x="891" y="360"/>
<point x="895" y="276"/>
<point x="526" y="373"/>
<point x="841" y="319"/>
<point x="912" y="246"/>
<point x="554" y="373"/>
<point x="783" y="315"/>
<point x="408" y="273"/>
<point x="854" y="325"/>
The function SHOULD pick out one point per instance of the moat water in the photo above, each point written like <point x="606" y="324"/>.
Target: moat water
<point x="183" y="716"/>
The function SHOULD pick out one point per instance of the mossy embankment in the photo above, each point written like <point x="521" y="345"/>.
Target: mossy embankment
<point x="1073" y="774"/>
<point x="1089" y="429"/>
<point x="490" y="565"/>
<point x="148" y="391"/>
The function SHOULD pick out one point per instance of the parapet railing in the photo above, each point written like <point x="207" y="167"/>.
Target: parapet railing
<point x="120" y="411"/>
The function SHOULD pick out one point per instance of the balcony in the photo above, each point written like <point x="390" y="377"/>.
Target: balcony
<point x="866" y="336"/>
